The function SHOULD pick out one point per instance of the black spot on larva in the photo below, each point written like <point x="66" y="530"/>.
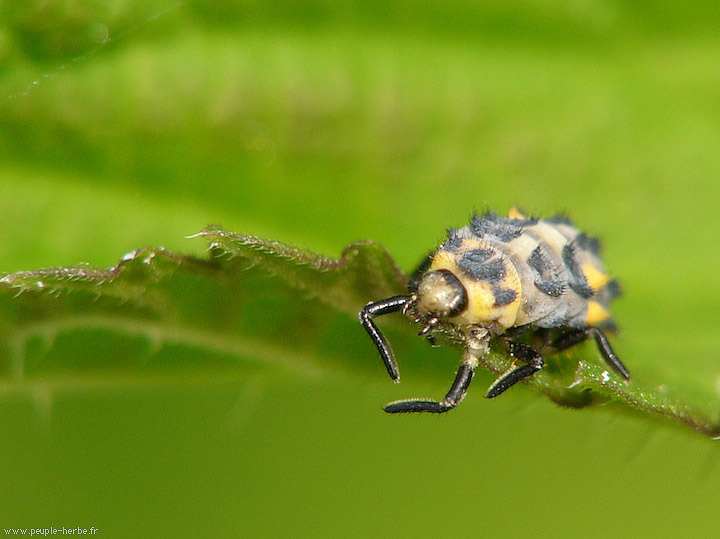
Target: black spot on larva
<point x="477" y="256"/>
<point x="551" y="288"/>
<point x="475" y="264"/>
<point x="614" y="289"/>
<point x="578" y="282"/>
<point x="507" y="232"/>
<point x="453" y="242"/>
<point x="587" y="243"/>
<point x="548" y="280"/>
<point x="528" y="221"/>
<point x="560" y="219"/>
<point x="504" y="296"/>
<point x="481" y="225"/>
<point x="539" y="261"/>
<point x="608" y="325"/>
<point x="503" y="229"/>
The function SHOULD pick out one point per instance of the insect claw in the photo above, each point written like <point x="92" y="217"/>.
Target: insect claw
<point x="410" y="301"/>
<point x="430" y="325"/>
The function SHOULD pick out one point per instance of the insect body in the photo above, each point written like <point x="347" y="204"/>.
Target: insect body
<point x="502" y="277"/>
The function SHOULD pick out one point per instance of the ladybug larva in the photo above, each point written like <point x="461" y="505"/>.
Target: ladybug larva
<point x="504" y="277"/>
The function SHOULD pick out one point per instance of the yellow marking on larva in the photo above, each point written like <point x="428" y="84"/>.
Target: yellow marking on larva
<point x="596" y="313"/>
<point x="444" y="260"/>
<point x="481" y="296"/>
<point x="514" y="213"/>
<point x="468" y="244"/>
<point x="595" y="278"/>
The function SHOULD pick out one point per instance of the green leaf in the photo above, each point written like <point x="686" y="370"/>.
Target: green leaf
<point x="252" y="300"/>
<point x="364" y="271"/>
<point x="159" y="309"/>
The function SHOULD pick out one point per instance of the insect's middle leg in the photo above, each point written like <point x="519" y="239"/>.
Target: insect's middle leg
<point x="523" y="352"/>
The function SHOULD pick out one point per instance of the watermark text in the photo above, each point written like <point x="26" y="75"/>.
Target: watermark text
<point x="92" y="530"/>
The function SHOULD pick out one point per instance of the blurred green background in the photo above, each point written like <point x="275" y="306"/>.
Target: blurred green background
<point x="128" y="123"/>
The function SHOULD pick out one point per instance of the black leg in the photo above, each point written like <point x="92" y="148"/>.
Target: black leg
<point x="571" y="339"/>
<point x="377" y="308"/>
<point x="523" y="352"/>
<point x="452" y="399"/>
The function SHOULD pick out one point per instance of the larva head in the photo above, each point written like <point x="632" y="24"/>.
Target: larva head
<point x="440" y="295"/>
<point x="470" y="283"/>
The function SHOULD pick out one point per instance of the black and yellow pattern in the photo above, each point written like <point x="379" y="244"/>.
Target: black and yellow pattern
<point x="500" y="273"/>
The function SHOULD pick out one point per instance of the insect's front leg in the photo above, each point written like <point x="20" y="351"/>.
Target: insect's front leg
<point x="476" y="346"/>
<point x="378" y="308"/>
